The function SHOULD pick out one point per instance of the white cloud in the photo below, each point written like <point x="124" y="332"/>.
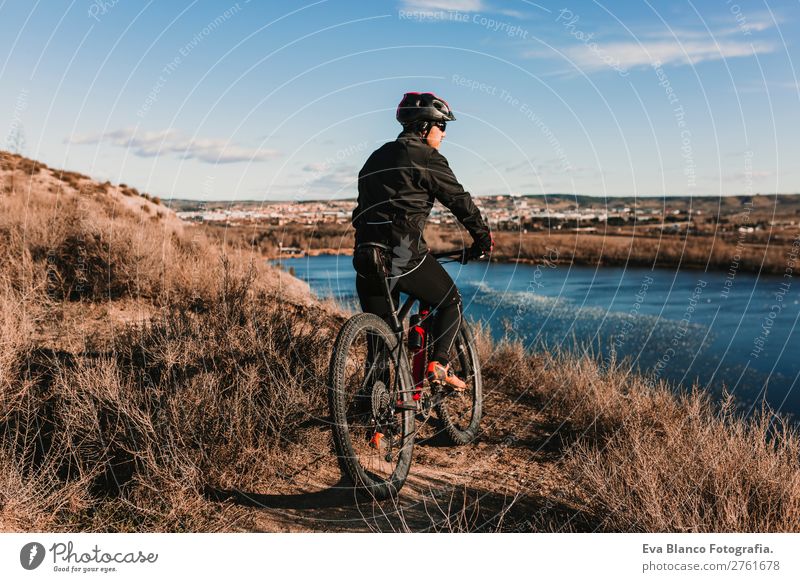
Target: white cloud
<point x="789" y="85"/>
<point x="148" y="144"/>
<point x="632" y="54"/>
<point x="514" y="13"/>
<point x="669" y="47"/>
<point x="596" y="56"/>
<point x="753" y="175"/>
<point x="454" y="5"/>
<point x="321" y="180"/>
<point x="336" y="179"/>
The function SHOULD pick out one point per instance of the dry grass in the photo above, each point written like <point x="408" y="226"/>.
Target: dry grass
<point x="75" y="246"/>
<point x="214" y="387"/>
<point x="669" y="251"/>
<point x="128" y="436"/>
<point x="644" y="458"/>
<point x="127" y="433"/>
<point x="140" y="429"/>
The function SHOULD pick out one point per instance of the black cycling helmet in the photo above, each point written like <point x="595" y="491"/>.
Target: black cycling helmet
<point x="416" y="107"/>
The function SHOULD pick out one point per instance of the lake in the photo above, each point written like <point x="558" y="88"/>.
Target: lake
<point x="717" y="329"/>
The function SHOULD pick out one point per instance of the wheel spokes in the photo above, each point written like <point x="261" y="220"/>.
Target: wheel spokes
<point x="459" y="405"/>
<point x="375" y="432"/>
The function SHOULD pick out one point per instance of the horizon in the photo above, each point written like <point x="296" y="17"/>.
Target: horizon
<point x="544" y="195"/>
<point x="247" y="101"/>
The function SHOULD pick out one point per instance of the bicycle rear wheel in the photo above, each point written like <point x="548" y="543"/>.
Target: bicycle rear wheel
<point x="373" y="436"/>
<point x="460" y="412"/>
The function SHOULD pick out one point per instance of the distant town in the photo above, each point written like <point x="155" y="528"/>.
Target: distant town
<point x="530" y="212"/>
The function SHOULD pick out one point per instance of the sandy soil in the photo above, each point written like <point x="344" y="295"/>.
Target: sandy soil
<point x="510" y="477"/>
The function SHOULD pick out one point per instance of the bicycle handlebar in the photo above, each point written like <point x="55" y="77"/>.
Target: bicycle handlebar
<point x="462" y="255"/>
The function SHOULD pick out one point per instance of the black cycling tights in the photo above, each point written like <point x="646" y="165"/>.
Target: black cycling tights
<point x="429" y="283"/>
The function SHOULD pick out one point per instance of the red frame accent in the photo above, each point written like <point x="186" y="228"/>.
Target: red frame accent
<point x="420" y="359"/>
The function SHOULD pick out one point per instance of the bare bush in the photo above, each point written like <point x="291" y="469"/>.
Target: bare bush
<point x="645" y="457"/>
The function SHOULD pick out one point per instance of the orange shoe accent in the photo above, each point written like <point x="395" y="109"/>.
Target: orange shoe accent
<point x="439" y="374"/>
<point x="375" y="441"/>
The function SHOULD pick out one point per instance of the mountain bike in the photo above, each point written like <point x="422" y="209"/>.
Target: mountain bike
<point x="378" y="391"/>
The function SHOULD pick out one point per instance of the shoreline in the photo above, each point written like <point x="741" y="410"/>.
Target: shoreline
<point x="766" y="269"/>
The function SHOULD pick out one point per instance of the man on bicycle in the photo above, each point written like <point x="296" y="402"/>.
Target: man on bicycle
<point x="397" y="188"/>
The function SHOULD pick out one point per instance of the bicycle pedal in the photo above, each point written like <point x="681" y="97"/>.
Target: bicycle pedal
<point x="375" y="441"/>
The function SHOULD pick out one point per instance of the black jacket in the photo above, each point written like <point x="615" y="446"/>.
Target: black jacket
<point x="397" y="188"/>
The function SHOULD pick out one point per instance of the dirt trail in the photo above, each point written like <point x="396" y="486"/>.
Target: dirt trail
<point x="509" y="479"/>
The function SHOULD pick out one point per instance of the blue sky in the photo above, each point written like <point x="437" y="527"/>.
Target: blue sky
<point x="285" y="100"/>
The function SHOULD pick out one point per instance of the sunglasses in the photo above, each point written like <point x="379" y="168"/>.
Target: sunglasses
<point x="441" y="125"/>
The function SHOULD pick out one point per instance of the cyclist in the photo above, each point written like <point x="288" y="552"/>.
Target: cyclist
<point x="397" y="188"/>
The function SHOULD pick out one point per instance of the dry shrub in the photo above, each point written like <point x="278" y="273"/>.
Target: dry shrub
<point x="39" y="489"/>
<point x="128" y="434"/>
<point x="15" y="335"/>
<point x="83" y="247"/>
<point x="462" y="511"/>
<point x="457" y="509"/>
<point x="29" y="167"/>
<point x="189" y="401"/>
<point x="482" y="336"/>
<point x="647" y="458"/>
<point x="686" y="467"/>
<point x="506" y="365"/>
<point x="236" y="382"/>
<point x="88" y="454"/>
<point x="38" y="501"/>
<point x="669" y="251"/>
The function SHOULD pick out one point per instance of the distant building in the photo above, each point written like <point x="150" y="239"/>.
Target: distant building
<point x="291" y="251"/>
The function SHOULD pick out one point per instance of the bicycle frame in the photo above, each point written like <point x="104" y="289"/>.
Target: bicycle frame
<point x="396" y="319"/>
<point x="392" y="402"/>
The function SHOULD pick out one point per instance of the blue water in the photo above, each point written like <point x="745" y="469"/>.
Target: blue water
<point x="683" y="326"/>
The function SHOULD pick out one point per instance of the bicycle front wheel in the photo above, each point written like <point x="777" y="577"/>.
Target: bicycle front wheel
<point x="460" y="412"/>
<point x="370" y="401"/>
